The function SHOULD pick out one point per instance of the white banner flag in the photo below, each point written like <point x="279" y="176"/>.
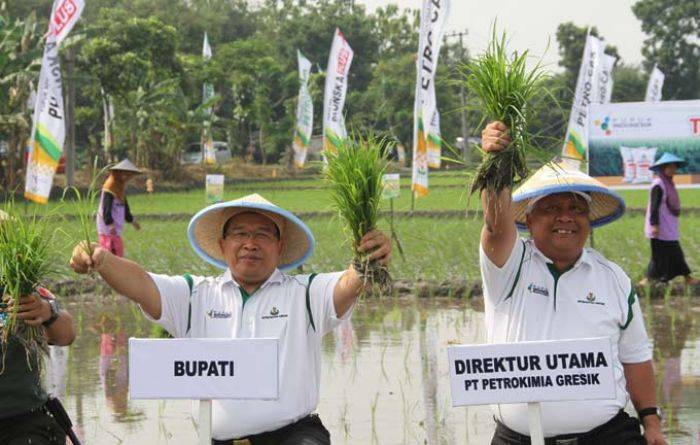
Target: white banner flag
<point x="576" y="141"/>
<point x="655" y="85"/>
<point x="207" y="93"/>
<point x="434" y="141"/>
<point x="605" y="79"/>
<point x="433" y="17"/>
<point x="339" y="62"/>
<point x="305" y="113"/>
<point x="48" y="126"/>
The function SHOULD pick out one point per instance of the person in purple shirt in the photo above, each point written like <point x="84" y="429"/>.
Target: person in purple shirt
<point x="114" y="209"/>
<point x="661" y="224"/>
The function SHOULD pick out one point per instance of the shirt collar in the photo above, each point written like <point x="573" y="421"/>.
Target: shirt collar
<point x="276" y="277"/>
<point x="585" y="257"/>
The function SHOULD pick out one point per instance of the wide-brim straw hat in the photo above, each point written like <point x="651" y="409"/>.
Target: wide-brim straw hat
<point x="206" y="229"/>
<point x="605" y="205"/>
<point x="126" y="166"/>
<point x="665" y="159"/>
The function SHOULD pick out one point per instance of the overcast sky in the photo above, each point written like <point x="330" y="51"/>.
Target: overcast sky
<point x="530" y="23"/>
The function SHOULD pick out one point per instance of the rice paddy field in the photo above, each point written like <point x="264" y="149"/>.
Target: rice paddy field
<point x="384" y="373"/>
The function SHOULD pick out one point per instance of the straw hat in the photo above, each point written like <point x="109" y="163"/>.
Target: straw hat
<point x="605" y="205"/>
<point x="126" y="165"/>
<point x="665" y="159"/>
<point x="206" y="228"/>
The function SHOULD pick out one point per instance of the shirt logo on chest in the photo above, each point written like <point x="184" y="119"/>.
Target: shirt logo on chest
<point x="274" y="313"/>
<point x="218" y="314"/>
<point x="591" y="299"/>
<point x="535" y="289"/>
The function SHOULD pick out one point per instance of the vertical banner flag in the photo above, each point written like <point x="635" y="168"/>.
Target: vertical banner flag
<point x="48" y="126"/>
<point x="108" y="113"/>
<point x="605" y="79"/>
<point x="305" y="113"/>
<point x="207" y="93"/>
<point x="432" y="21"/>
<point x="576" y="141"/>
<point x="339" y="62"/>
<point x="655" y="85"/>
<point x="434" y="141"/>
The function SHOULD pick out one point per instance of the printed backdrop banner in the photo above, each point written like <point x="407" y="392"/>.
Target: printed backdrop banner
<point x="305" y="113"/>
<point x="626" y="138"/>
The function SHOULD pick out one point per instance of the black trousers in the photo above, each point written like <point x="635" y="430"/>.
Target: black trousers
<point x="36" y="427"/>
<point x="306" y="431"/>
<point x="620" y="430"/>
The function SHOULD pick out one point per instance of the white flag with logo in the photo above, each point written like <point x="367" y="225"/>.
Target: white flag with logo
<point x="339" y="62"/>
<point x="576" y="141"/>
<point x="305" y="113"/>
<point x="655" y="85"/>
<point x="433" y="17"/>
<point x="605" y="79"/>
<point x="207" y="93"/>
<point x="48" y="125"/>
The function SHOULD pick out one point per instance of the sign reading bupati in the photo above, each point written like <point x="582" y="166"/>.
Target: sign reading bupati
<point x="626" y="138"/>
<point x="203" y="368"/>
<point x="542" y="371"/>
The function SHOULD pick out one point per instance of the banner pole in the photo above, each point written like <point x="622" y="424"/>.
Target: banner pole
<point x="535" y="422"/>
<point x="204" y="422"/>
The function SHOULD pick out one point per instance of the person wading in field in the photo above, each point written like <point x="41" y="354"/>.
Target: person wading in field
<point x="114" y="209"/>
<point x="551" y="287"/>
<point x="253" y="240"/>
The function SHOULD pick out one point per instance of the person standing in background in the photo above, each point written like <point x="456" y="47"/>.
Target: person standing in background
<point x="114" y="208"/>
<point x="662" y="226"/>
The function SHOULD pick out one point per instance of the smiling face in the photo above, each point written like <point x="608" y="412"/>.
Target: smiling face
<point x="252" y="248"/>
<point x="559" y="226"/>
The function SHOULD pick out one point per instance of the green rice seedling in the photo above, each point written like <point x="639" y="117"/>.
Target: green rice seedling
<point x="26" y="260"/>
<point x="354" y="173"/>
<point x="505" y="88"/>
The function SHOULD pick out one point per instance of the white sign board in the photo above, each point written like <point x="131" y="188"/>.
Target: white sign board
<point x="542" y="371"/>
<point x="203" y="368"/>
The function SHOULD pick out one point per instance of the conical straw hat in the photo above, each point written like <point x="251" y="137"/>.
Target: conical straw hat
<point x="206" y="229"/>
<point x="126" y="165"/>
<point x="667" y="158"/>
<point x="605" y="205"/>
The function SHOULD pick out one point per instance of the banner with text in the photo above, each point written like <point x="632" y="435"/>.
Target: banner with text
<point x="542" y="371"/>
<point x="576" y="142"/>
<point x="655" y="85"/>
<point x="336" y="88"/>
<point x="305" y="113"/>
<point x="203" y="368"/>
<point x="425" y="124"/>
<point x="605" y="79"/>
<point x="626" y="138"/>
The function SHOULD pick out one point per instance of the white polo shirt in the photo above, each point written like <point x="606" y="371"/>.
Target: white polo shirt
<point x="276" y="310"/>
<point x="528" y="300"/>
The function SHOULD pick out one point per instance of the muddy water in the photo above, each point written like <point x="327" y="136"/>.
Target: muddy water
<point x="385" y="376"/>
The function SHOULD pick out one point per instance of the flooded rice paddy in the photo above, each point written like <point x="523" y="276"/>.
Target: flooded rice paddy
<point x="385" y="376"/>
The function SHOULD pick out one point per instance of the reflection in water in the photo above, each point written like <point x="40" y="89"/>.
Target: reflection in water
<point x="384" y="376"/>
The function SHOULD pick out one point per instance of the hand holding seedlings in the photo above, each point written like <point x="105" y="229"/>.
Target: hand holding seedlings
<point x="495" y="136"/>
<point x="82" y="261"/>
<point x="378" y="247"/>
<point x="32" y="309"/>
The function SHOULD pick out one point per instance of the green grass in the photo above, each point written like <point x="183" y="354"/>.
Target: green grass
<point x="436" y="249"/>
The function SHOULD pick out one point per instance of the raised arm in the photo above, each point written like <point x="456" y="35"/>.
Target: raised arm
<point x="499" y="232"/>
<point x="124" y="276"/>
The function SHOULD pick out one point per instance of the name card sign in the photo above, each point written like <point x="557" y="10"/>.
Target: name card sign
<point x="203" y="368"/>
<point x="542" y="371"/>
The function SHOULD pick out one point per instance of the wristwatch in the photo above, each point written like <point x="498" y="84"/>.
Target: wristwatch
<point x="53" y="303"/>
<point x="652" y="410"/>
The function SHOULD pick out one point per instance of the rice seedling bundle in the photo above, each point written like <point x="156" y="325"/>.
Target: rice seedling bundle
<point x="354" y="173"/>
<point x="25" y="262"/>
<point x="504" y="88"/>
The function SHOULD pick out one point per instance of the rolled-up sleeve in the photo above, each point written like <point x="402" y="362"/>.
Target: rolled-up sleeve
<point x="174" y="300"/>
<point x="498" y="281"/>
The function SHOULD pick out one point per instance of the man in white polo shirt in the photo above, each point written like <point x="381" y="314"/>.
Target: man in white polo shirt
<point x="252" y="239"/>
<point x="552" y="287"/>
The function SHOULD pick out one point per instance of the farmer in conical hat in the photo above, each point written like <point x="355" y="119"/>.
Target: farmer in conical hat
<point x="551" y="287"/>
<point x="114" y="210"/>
<point x="661" y="224"/>
<point x="252" y="240"/>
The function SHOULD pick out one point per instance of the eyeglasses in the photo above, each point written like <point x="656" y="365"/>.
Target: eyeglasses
<point x="257" y="235"/>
